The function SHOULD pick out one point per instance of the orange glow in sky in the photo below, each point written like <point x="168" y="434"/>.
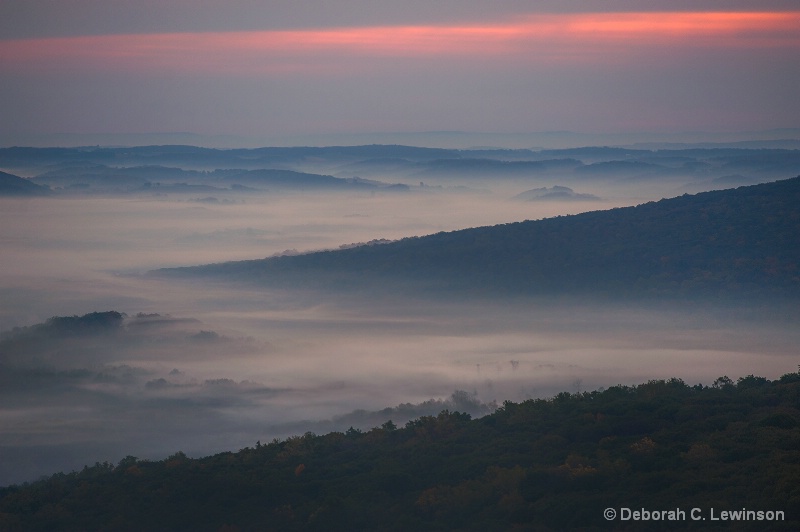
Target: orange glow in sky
<point x="553" y="36"/>
<point x="684" y="24"/>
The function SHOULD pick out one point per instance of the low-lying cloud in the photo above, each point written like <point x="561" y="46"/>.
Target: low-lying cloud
<point x="159" y="384"/>
<point x="204" y="367"/>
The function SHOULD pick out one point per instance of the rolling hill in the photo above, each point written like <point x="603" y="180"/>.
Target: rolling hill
<point x="543" y="464"/>
<point x="738" y="242"/>
<point x="697" y="166"/>
<point x="12" y="185"/>
<point x="94" y="178"/>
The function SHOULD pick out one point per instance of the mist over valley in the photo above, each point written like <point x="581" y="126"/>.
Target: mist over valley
<point x="101" y="359"/>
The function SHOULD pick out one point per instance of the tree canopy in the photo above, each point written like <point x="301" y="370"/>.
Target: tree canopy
<point x="542" y="464"/>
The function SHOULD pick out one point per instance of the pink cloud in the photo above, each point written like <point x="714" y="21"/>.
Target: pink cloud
<point x="539" y="38"/>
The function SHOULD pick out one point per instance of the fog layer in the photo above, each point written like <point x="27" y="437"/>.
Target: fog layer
<point x="202" y="367"/>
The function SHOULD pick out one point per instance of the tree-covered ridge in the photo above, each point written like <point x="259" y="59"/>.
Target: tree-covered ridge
<point x="743" y="241"/>
<point x="12" y="185"/>
<point x="93" y="322"/>
<point x="552" y="464"/>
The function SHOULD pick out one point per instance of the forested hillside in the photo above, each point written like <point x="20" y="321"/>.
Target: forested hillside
<point x="554" y="464"/>
<point x="739" y="242"/>
<point x="12" y="185"/>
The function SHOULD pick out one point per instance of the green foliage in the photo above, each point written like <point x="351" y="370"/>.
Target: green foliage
<point x="552" y="464"/>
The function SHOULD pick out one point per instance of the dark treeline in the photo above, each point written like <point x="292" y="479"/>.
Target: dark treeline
<point x="160" y="179"/>
<point x="553" y="464"/>
<point x="64" y="326"/>
<point x="12" y="185"/>
<point x="741" y="243"/>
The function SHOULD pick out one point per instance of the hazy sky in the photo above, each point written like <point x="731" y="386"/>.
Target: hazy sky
<point x="271" y="69"/>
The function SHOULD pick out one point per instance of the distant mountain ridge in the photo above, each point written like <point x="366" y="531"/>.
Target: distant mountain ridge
<point x="742" y="242"/>
<point x="152" y="178"/>
<point x="217" y="174"/>
<point x="691" y="163"/>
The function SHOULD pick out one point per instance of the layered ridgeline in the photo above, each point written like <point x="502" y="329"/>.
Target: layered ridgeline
<point x="679" y="455"/>
<point x="738" y="242"/>
<point x="189" y="169"/>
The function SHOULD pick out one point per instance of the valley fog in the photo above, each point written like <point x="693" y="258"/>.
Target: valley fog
<point x="65" y="256"/>
<point x="204" y="367"/>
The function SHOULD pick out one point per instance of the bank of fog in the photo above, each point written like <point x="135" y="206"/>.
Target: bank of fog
<point x="209" y="366"/>
<point x="221" y="367"/>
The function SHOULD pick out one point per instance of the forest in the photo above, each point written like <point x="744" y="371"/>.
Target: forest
<point x="739" y="243"/>
<point x="542" y="464"/>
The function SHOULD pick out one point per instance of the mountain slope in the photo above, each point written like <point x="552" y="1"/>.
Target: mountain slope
<point x="11" y="185"/>
<point x="556" y="464"/>
<point x="742" y="241"/>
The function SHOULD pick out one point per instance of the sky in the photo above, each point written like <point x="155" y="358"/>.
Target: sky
<point x="283" y="70"/>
